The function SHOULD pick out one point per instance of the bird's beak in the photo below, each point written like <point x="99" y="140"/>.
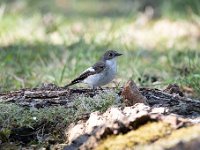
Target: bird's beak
<point x="118" y="54"/>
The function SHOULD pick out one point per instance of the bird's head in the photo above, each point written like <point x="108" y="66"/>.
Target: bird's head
<point x="110" y="54"/>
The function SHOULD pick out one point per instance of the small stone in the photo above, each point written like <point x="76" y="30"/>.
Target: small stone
<point x="132" y="95"/>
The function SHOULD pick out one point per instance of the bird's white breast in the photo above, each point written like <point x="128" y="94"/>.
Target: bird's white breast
<point x="112" y="64"/>
<point x="110" y="71"/>
<point x="105" y="76"/>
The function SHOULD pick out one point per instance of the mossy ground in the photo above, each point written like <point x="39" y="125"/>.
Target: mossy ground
<point x="147" y="133"/>
<point x="151" y="136"/>
<point x="49" y="122"/>
<point x="185" y="134"/>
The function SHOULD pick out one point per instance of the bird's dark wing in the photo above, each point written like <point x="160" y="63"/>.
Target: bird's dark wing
<point x="96" y="68"/>
<point x="83" y="76"/>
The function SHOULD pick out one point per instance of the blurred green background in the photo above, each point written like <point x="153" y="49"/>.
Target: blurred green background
<point x="53" y="41"/>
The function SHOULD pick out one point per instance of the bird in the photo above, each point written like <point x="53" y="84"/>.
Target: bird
<point x="101" y="73"/>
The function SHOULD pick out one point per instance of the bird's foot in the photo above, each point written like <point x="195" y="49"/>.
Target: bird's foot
<point x="100" y="88"/>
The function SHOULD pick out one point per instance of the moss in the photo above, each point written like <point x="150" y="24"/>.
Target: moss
<point x="23" y="124"/>
<point x="15" y="116"/>
<point x="146" y="134"/>
<point x="100" y="102"/>
<point x="4" y="134"/>
<point x="182" y="135"/>
<point x="8" y="146"/>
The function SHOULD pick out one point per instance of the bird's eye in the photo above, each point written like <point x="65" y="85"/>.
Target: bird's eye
<point x="110" y="54"/>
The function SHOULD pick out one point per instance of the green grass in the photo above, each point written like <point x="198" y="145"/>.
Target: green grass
<point x="41" y="42"/>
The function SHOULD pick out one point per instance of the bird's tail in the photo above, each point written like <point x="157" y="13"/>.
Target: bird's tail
<point x="72" y="83"/>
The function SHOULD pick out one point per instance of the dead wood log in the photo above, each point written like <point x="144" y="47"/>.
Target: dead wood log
<point x="51" y="95"/>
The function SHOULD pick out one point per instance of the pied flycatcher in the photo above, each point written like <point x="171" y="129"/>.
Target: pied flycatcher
<point x="100" y="73"/>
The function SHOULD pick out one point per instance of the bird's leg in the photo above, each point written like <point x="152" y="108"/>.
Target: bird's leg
<point x="100" y="88"/>
<point x="94" y="90"/>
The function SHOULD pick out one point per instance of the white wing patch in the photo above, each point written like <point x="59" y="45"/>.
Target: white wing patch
<point x="89" y="69"/>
